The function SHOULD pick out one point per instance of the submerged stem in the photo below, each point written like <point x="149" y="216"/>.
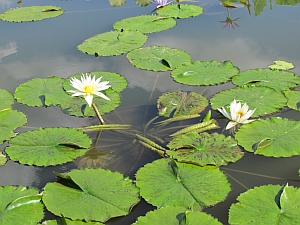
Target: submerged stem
<point x="97" y="113"/>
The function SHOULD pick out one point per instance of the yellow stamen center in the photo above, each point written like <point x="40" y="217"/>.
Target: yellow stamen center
<point x="88" y="89"/>
<point x="240" y="113"/>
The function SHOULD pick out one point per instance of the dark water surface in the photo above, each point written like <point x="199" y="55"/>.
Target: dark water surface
<point x="49" y="48"/>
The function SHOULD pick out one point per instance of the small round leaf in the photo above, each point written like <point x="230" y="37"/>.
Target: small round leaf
<point x="293" y="99"/>
<point x="180" y="10"/>
<point x="6" y="99"/>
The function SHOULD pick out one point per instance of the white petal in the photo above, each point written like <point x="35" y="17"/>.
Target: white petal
<point x="89" y="99"/>
<point x="233" y="107"/>
<point x="247" y="115"/>
<point x="230" y="124"/>
<point x="247" y="121"/>
<point x="102" y="95"/>
<point x="244" y="109"/>
<point x="224" y="112"/>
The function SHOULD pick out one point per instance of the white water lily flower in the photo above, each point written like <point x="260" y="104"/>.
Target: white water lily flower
<point x="238" y="114"/>
<point x="88" y="86"/>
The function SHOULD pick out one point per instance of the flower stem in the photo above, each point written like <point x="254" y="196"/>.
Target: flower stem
<point x="97" y="113"/>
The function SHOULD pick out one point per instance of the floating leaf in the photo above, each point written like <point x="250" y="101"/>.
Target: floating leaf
<point x="204" y="149"/>
<point x="271" y="137"/>
<point x="48" y="146"/>
<point x="180" y="10"/>
<point x="20" y="204"/>
<point x="276" y="79"/>
<point x="265" y="100"/>
<point x="158" y="58"/>
<point x="281" y="65"/>
<point x="3" y="159"/>
<point x="42" y="92"/>
<point x="204" y="72"/>
<point x="293" y="99"/>
<point x="176" y="215"/>
<point x="9" y="121"/>
<point x="6" y="99"/>
<point x="145" y="23"/>
<point x="269" y="204"/>
<point x="180" y="103"/>
<point x="97" y="195"/>
<point x="65" y="221"/>
<point x="113" y="43"/>
<point x="31" y="13"/>
<point x="192" y="186"/>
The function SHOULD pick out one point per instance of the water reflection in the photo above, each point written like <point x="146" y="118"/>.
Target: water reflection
<point x="230" y="23"/>
<point x="8" y="49"/>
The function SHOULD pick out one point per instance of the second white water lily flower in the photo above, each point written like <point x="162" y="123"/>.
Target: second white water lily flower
<point x="88" y="86"/>
<point x="238" y="114"/>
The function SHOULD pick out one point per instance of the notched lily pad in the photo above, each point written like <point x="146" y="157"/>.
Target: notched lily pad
<point x="276" y="79"/>
<point x="31" y="13"/>
<point x="275" y="137"/>
<point x="101" y="193"/>
<point x="293" y="99"/>
<point x="48" y="146"/>
<point x="180" y="103"/>
<point x="265" y="100"/>
<point x="204" y="72"/>
<point x="113" y="43"/>
<point x="145" y="23"/>
<point x="204" y="149"/>
<point x="281" y="65"/>
<point x="180" y="10"/>
<point x="42" y="92"/>
<point x="271" y="204"/>
<point x="6" y="99"/>
<point x="20" y="204"/>
<point x="9" y="121"/>
<point x="166" y="182"/>
<point x="158" y="58"/>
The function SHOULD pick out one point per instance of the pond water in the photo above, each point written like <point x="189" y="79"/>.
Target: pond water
<point x="49" y="48"/>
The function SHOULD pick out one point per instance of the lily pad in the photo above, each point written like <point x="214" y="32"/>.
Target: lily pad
<point x="176" y="215"/>
<point x="6" y="99"/>
<point x="145" y="23"/>
<point x="41" y="92"/>
<point x="94" y="194"/>
<point x="9" y="121"/>
<point x="158" y="58"/>
<point x="166" y="182"/>
<point x="113" y="43"/>
<point x="271" y="204"/>
<point x="65" y="221"/>
<point x="31" y="13"/>
<point x="180" y="10"/>
<point x="204" y="149"/>
<point x="265" y="100"/>
<point x="271" y="137"/>
<point x="281" y="65"/>
<point x="293" y="99"/>
<point x="276" y="79"/>
<point x="180" y="103"/>
<point x="3" y="159"/>
<point x="20" y="204"/>
<point x="48" y="146"/>
<point x="204" y="72"/>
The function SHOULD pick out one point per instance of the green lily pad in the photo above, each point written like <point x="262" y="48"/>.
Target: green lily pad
<point x="204" y="149"/>
<point x="271" y="137"/>
<point x="145" y="23"/>
<point x="204" y="72"/>
<point x="42" y="92"/>
<point x="281" y="65"/>
<point x="48" y="146"/>
<point x="94" y="194"/>
<point x="293" y="99"/>
<point x="180" y="10"/>
<point x="265" y="100"/>
<point x="176" y="215"/>
<point x="65" y="221"/>
<point x="113" y="43"/>
<point x="20" y="205"/>
<point x="9" y="121"/>
<point x="158" y="58"/>
<point x="276" y="79"/>
<point x="31" y="13"/>
<point x="3" y="159"/>
<point x="271" y="204"/>
<point x="6" y="99"/>
<point x="166" y="182"/>
<point x="180" y="103"/>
